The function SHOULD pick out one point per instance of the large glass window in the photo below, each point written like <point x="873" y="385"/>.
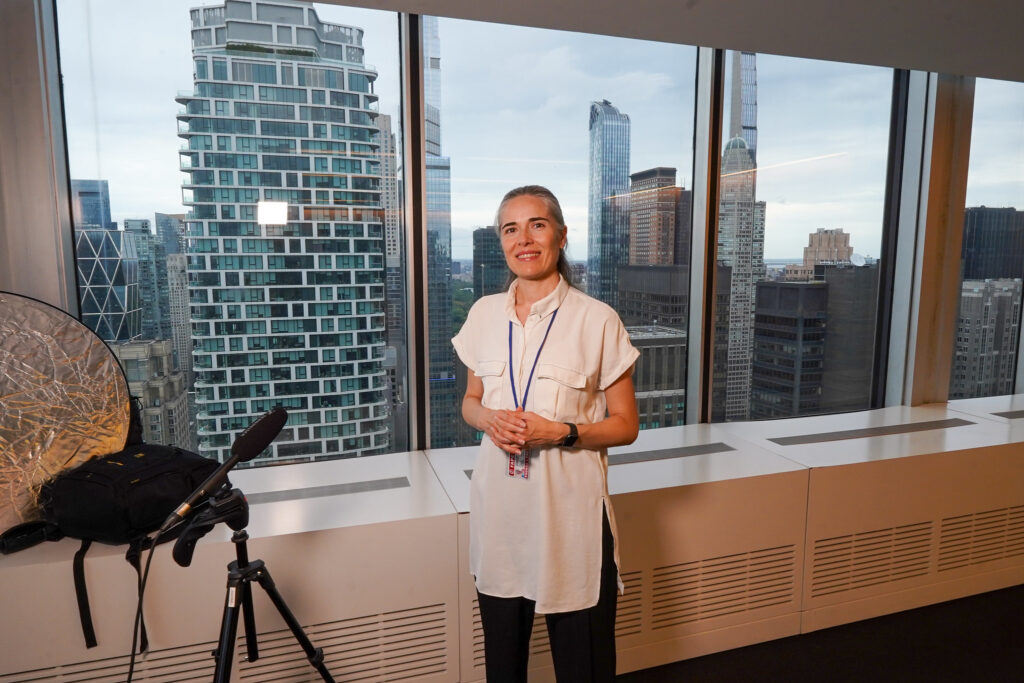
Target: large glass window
<point x="987" y="343"/>
<point x="161" y="277"/>
<point x="607" y="125"/>
<point x="803" y="172"/>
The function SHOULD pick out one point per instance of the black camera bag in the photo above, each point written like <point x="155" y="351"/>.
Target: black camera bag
<point x="118" y="499"/>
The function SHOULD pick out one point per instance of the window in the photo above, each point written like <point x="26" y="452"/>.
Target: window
<point x="606" y="124"/>
<point x="987" y="342"/>
<point x="255" y="335"/>
<point x="803" y="171"/>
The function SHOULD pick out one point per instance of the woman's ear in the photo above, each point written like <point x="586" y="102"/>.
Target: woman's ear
<point x="565" y="237"/>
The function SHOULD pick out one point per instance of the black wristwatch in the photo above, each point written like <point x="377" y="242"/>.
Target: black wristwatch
<point x="570" y="439"/>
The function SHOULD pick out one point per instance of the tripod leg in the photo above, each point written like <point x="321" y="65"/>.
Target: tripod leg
<point x="249" y="623"/>
<point x="315" y="655"/>
<point x="228" y="632"/>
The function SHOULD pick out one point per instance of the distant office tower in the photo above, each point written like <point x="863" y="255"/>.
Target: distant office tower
<point x="993" y="244"/>
<point x="90" y="204"/>
<point x="654" y="295"/>
<point x="170" y="232"/>
<point x="659" y="219"/>
<point x="741" y="248"/>
<point x="789" y="347"/>
<point x="824" y="246"/>
<point x="285" y="312"/>
<point x="152" y="378"/>
<point x="178" y="307"/>
<point x="987" y="338"/>
<point x="848" y="366"/>
<point x="108" y="283"/>
<point x="660" y="375"/>
<point x="153" y="292"/>
<point x="444" y="399"/>
<point x="394" y="240"/>
<point x="608" y="200"/>
<point x="720" y="341"/>
<point x="743" y="105"/>
<point x="489" y="268"/>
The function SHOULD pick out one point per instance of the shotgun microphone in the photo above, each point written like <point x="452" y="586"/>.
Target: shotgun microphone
<point x="247" y="446"/>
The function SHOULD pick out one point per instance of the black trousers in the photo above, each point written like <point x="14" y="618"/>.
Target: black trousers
<point x="582" y="642"/>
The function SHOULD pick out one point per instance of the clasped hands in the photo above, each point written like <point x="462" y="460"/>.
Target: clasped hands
<point x="514" y="430"/>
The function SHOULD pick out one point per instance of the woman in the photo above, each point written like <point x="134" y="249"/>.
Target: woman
<point x="550" y="385"/>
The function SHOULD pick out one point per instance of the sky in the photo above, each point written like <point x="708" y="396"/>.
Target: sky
<point x="515" y="106"/>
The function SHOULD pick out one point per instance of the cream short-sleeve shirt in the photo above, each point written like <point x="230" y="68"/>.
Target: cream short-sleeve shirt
<point x="540" y="537"/>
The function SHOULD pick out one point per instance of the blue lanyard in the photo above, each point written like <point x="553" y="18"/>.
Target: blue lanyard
<point x="511" y="374"/>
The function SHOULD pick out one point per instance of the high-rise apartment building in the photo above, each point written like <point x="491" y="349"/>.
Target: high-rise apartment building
<point x="608" y="200"/>
<point x="987" y="338"/>
<point x="740" y="247"/>
<point x="285" y="311"/>
<point x="153" y="292"/>
<point x="490" y="271"/>
<point x="108" y="283"/>
<point x="90" y="204"/>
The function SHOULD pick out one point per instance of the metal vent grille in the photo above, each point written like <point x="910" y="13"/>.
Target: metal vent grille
<point x="406" y="644"/>
<point x="870" y="558"/>
<point x="173" y="665"/>
<point x="629" y="611"/>
<point x="704" y="589"/>
<point x="981" y="537"/>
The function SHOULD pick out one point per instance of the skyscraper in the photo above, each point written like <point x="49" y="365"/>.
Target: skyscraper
<point x="443" y="390"/>
<point x="170" y="231"/>
<point x="608" y="200"/>
<point x="659" y="215"/>
<point x="824" y="246"/>
<point x="741" y="248"/>
<point x="153" y="291"/>
<point x="489" y="268"/>
<point x="289" y="311"/>
<point x="181" y="327"/>
<point x="993" y="244"/>
<point x="987" y="338"/>
<point x="90" y="204"/>
<point x="149" y="368"/>
<point x="108" y="283"/>
<point x="743" y="104"/>
<point x="789" y="345"/>
<point x="740" y="234"/>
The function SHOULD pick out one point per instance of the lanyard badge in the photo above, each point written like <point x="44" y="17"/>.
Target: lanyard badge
<point x="519" y="465"/>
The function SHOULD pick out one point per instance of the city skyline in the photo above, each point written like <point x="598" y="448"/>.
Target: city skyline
<point x="576" y="69"/>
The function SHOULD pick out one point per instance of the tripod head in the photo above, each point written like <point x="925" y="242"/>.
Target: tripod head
<point x="228" y="505"/>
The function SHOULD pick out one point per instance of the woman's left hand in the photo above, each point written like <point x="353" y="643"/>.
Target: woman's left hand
<point x="540" y="431"/>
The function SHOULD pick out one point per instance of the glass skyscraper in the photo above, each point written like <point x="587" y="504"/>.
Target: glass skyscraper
<point x="90" y="204"/>
<point x="108" y="283"/>
<point x="608" y="216"/>
<point x="288" y="311"/>
<point x="444" y="399"/>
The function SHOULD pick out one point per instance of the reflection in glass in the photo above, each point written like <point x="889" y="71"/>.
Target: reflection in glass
<point x="802" y="169"/>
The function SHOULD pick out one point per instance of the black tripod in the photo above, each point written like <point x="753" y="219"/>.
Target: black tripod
<point x="229" y="506"/>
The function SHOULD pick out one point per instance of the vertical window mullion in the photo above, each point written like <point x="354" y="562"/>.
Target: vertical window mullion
<point x="707" y="141"/>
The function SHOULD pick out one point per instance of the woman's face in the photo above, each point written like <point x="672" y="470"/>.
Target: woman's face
<point x="530" y="237"/>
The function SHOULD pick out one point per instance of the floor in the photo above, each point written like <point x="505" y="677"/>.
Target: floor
<point x="976" y="639"/>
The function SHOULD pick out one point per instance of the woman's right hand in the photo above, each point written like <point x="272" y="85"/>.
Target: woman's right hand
<point x="505" y="429"/>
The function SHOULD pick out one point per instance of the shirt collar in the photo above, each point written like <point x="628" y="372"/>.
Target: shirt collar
<point x="542" y="308"/>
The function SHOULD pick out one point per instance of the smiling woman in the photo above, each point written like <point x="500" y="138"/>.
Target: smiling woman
<point x="561" y="560"/>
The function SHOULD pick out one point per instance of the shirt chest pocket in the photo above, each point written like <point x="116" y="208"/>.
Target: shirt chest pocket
<point x="561" y="393"/>
<point x="492" y="374"/>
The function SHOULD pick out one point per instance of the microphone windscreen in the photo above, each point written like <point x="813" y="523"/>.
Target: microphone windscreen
<point x="259" y="434"/>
